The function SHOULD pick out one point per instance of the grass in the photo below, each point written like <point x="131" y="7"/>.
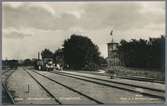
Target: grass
<point x="155" y="74"/>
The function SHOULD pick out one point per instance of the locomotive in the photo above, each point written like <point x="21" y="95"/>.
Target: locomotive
<point x="45" y="64"/>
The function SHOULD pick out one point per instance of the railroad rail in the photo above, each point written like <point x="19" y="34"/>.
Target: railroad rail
<point x="128" y="87"/>
<point x="4" y="81"/>
<point x="137" y="78"/>
<point x="55" y="98"/>
<point x="154" y="89"/>
<point x="66" y="86"/>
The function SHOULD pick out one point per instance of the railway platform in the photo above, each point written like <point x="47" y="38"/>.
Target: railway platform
<point x="151" y="85"/>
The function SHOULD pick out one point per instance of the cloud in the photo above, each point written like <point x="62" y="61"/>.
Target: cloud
<point x="15" y="34"/>
<point x="47" y="24"/>
<point x="53" y="16"/>
<point x="120" y="15"/>
<point x="35" y="17"/>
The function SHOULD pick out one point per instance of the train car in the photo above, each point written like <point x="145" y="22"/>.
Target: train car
<point x="46" y="64"/>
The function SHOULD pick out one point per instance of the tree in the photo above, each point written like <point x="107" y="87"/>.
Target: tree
<point x="143" y="53"/>
<point x="81" y="53"/>
<point x="102" y="62"/>
<point x="47" y="53"/>
<point x="27" y="62"/>
<point x="12" y="64"/>
<point x="58" y="56"/>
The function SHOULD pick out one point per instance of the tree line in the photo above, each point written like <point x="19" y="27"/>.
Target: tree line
<point x="78" y="53"/>
<point x="9" y="64"/>
<point x="143" y="53"/>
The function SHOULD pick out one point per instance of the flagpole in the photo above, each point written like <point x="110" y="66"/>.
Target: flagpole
<point x="111" y="33"/>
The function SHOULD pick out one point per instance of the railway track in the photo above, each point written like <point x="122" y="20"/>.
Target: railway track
<point x="55" y="98"/>
<point x="5" y="76"/>
<point x="154" y="89"/>
<point x="137" y="78"/>
<point x="156" y="93"/>
<point x="67" y="88"/>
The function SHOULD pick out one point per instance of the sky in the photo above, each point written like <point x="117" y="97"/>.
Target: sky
<point x="30" y="27"/>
